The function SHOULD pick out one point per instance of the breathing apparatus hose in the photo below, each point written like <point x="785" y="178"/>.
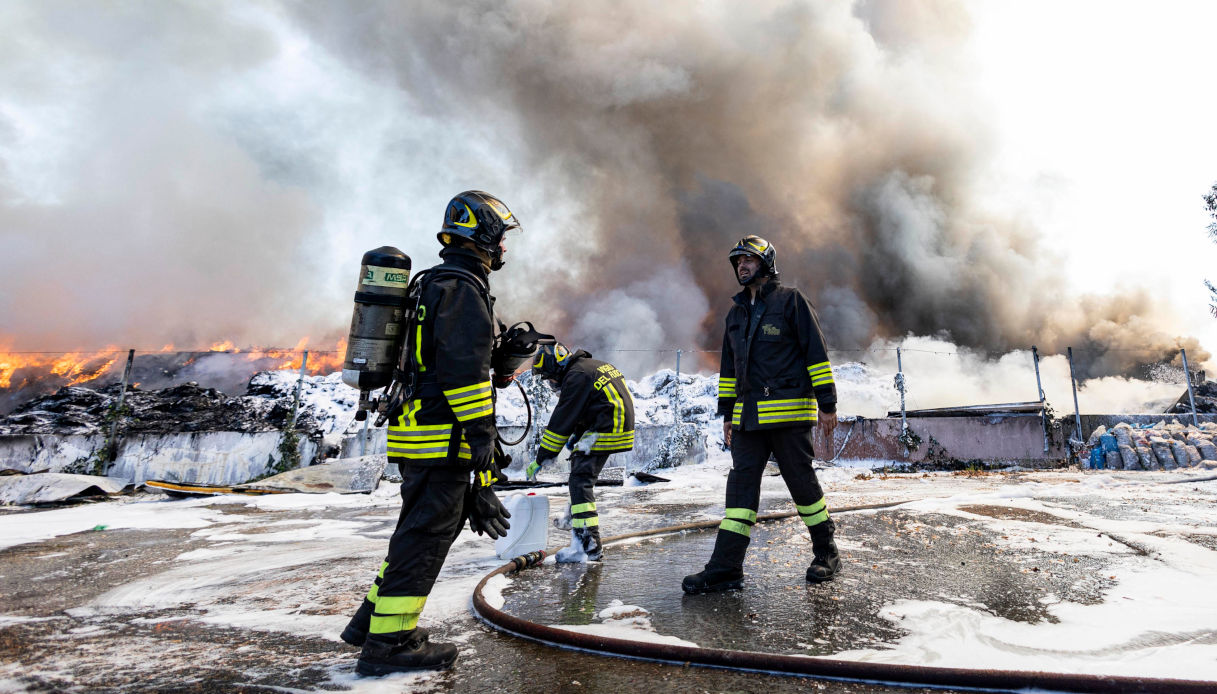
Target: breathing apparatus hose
<point x="527" y="425"/>
<point x="814" y="667"/>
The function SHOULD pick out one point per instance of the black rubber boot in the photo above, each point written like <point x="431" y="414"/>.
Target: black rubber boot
<point x="713" y="580"/>
<point x="356" y="631"/>
<point x="826" y="562"/>
<point x="725" y="570"/>
<point x="403" y="651"/>
<point x="590" y="537"/>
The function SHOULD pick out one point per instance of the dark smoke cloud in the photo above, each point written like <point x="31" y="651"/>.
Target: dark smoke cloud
<point x="242" y="157"/>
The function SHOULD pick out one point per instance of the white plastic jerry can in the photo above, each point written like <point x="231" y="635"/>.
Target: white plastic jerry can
<point x="529" y="529"/>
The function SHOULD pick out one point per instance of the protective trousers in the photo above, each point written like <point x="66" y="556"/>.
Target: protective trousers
<point x="584" y="470"/>
<point x="432" y="514"/>
<point x="750" y="450"/>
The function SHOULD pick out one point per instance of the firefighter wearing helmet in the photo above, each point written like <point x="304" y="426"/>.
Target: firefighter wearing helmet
<point x="595" y="414"/>
<point x="442" y="436"/>
<point x="775" y="383"/>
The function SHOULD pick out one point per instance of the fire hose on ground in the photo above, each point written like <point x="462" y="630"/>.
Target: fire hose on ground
<point x="803" y="666"/>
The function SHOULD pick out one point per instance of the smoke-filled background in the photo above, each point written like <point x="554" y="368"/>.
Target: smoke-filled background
<point x="189" y="172"/>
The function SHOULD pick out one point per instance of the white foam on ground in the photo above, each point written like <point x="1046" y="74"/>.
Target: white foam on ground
<point x="629" y="622"/>
<point x="1154" y="621"/>
<point x="20" y="528"/>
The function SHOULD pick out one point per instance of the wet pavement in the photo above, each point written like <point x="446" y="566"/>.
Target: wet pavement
<point x="125" y="610"/>
<point x="887" y="553"/>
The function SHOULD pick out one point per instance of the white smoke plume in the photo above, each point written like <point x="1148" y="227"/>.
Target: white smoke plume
<point x="189" y="172"/>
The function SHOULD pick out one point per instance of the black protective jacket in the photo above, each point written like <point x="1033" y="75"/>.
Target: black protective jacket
<point x="775" y="371"/>
<point x="594" y="407"/>
<point x="448" y="349"/>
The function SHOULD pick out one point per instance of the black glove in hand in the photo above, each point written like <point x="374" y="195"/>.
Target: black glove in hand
<point x="485" y="472"/>
<point x="486" y="512"/>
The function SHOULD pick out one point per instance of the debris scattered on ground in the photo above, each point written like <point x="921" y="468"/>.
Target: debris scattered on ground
<point x="50" y="487"/>
<point x="1159" y="446"/>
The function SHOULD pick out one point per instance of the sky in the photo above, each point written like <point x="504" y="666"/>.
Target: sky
<point x="993" y="174"/>
<point x="1106" y="136"/>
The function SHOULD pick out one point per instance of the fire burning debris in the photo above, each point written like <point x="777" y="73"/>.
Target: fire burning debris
<point x="79" y="410"/>
<point x="24" y="376"/>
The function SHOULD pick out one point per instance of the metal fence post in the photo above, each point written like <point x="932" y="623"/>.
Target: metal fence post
<point x="1187" y="376"/>
<point x="1035" y="357"/>
<point x="676" y="416"/>
<point x="112" y="449"/>
<point x="1077" y="412"/>
<point x="299" y="385"/>
<point x="904" y="425"/>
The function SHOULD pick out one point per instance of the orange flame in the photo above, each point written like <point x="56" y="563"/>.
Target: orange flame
<point x="79" y="367"/>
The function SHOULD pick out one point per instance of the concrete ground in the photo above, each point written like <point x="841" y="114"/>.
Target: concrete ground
<point x="254" y="601"/>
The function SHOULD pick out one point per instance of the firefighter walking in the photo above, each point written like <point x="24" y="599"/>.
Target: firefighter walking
<point x="441" y="434"/>
<point x="596" y="412"/>
<point x="775" y="384"/>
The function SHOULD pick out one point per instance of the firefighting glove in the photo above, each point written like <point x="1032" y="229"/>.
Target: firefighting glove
<point x="486" y="512"/>
<point x="530" y="473"/>
<point x="485" y="472"/>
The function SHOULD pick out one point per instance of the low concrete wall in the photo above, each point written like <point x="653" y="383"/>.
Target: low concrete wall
<point x="992" y="439"/>
<point x="647" y="440"/>
<point x="211" y="457"/>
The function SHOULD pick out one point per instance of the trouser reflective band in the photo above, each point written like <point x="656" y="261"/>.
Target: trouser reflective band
<point x="585" y="515"/>
<point x="396" y="613"/>
<point x="739" y="520"/>
<point x="814" y="514"/>
<point x="375" y="591"/>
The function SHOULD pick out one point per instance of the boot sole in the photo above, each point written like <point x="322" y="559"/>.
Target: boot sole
<point x="381" y="669"/>
<point x="826" y="579"/>
<point x="716" y="588"/>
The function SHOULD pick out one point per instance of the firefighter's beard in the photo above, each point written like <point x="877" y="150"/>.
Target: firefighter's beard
<point x="745" y="276"/>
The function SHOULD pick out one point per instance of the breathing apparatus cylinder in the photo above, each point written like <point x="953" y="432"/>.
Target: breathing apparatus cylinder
<point x="375" y="341"/>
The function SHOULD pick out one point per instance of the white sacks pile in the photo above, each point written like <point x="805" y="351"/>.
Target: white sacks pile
<point x="1160" y="447"/>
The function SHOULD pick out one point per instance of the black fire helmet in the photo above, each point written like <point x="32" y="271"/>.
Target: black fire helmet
<point x="481" y="218"/>
<point x="758" y="247"/>
<point x="551" y="362"/>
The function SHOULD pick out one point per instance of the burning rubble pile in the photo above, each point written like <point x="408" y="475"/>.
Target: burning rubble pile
<point x="1162" y="446"/>
<point x="1205" y="395"/>
<point x="186" y="407"/>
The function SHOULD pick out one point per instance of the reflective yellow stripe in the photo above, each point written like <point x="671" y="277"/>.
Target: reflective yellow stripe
<point x="401" y="604"/>
<point x="763" y="405"/>
<point x="618" y="407"/>
<point x="736" y="527"/>
<point x="552" y="441"/>
<point x="814" y="508"/>
<point x="585" y="522"/>
<point x="391" y="624"/>
<point x="467" y="389"/>
<point x="726" y="387"/>
<point x="816" y="519"/>
<point x="742" y="514"/>
<point x="821" y="374"/>
<point x="484" y="410"/>
<point x="583" y="508"/>
<point x="373" y="592"/>
<point x="736" y="412"/>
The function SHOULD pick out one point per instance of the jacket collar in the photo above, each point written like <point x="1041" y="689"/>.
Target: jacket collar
<point x="766" y="289"/>
<point x="466" y="259"/>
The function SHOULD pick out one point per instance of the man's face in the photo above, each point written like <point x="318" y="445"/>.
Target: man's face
<point x="747" y="267"/>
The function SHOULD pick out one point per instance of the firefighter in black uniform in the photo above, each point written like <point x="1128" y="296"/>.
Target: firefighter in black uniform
<point x="596" y="412"/>
<point x="774" y="380"/>
<point x="440" y="436"/>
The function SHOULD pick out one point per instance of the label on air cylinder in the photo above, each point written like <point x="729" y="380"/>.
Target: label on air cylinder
<point x="377" y="276"/>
